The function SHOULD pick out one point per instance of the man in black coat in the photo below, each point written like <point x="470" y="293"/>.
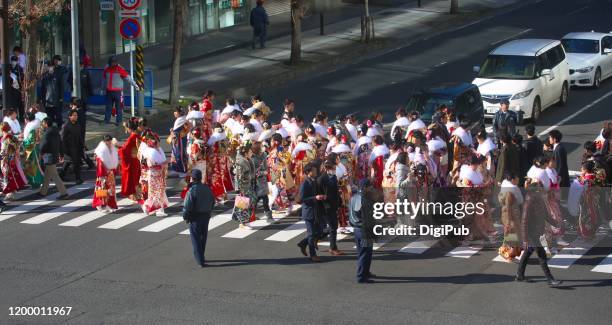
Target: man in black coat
<point x="560" y="156"/>
<point x="72" y="146"/>
<point x="328" y="186"/>
<point x="259" y="21"/>
<point x="504" y="121"/>
<point x="310" y="214"/>
<point x="533" y="145"/>
<point x="199" y="203"/>
<point x="508" y="161"/>
<point x="52" y="93"/>
<point x="361" y="218"/>
<point x="524" y="164"/>
<point x="50" y="151"/>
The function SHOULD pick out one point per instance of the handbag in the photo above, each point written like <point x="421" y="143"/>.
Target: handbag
<point x="242" y="202"/>
<point x="101" y="193"/>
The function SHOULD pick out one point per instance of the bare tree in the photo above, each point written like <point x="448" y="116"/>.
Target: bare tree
<point x="454" y="8"/>
<point x="298" y="10"/>
<point x="28" y="15"/>
<point x="367" y="24"/>
<point x="179" y="18"/>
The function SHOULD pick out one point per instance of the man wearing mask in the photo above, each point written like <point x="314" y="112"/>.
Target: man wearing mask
<point x="199" y="203"/>
<point x="52" y="92"/>
<point x="113" y="78"/>
<point x="328" y="186"/>
<point x="504" y="121"/>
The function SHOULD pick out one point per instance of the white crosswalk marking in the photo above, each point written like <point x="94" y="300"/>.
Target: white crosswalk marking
<point x="380" y="243"/>
<point x="133" y="217"/>
<point x="289" y="233"/>
<point x="29" y="206"/>
<point x="215" y="221"/>
<point x="93" y="215"/>
<point x="57" y="212"/>
<point x="605" y="266"/>
<point x="419" y="246"/>
<point x="340" y="236"/>
<point x="567" y="256"/>
<point x="162" y="224"/>
<point x="464" y="251"/>
<point x="255" y="226"/>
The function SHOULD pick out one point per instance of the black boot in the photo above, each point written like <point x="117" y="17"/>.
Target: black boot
<point x="549" y="278"/>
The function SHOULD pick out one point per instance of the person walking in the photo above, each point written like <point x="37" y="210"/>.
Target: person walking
<point x="508" y="161"/>
<point x="560" y="156"/>
<point x="328" y="186"/>
<point x="113" y="77"/>
<point x="199" y="203"/>
<point x="259" y="21"/>
<point x="308" y="199"/>
<point x="361" y="210"/>
<point x="50" y="150"/>
<point x="52" y="91"/>
<point x="504" y="121"/>
<point x="533" y="223"/>
<point x="72" y="146"/>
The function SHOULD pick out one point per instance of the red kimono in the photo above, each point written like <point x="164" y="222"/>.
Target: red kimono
<point x="219" y="176"/>
<point x="104" y="194"/>
<point x="130" y="166"/>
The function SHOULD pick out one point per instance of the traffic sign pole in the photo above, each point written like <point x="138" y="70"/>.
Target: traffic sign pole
<point x="132" y="74"/>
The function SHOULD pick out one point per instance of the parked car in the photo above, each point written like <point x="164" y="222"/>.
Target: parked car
<point x="590" y="58"/>
<point x="464" y="98"/>
<point x="533" y="74"/>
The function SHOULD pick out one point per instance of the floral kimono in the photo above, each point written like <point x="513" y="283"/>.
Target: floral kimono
<point x="510" y="198"/>
<point x="156" y="200"/>
<point x="377" y="162"/>
<point x="362" y="151"/>
<point x="589" y="207"/>
<point x="279" y="161"/>
<point x="13" y="178"/>
<point x="245" y="179"/>
<point x="32" y="169"/>
<point x="107" y="160"/>
<point x="472" y="182"/>
<point x="179" y="146"/>
<point x="219" y="176"/>
<point x="553" y="204"/>
<point x="302" y="154"/>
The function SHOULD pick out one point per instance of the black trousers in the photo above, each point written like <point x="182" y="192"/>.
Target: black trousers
<point x="331" y="218"/>
<point x="312" y="234"/>
<point x="364" y="255"/>
<point x="541" y="257"/>
<point x="198" y="229"/>
<point x="76" y="168"/>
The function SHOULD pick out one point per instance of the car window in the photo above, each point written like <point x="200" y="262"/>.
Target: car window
<point x="553" y="58"/>
<point x="560" y="53"/>
<point x="542" y="63"/>
<point x="606" y="43"/>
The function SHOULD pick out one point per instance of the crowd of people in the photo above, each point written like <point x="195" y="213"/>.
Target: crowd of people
<point x="334" y="168"/>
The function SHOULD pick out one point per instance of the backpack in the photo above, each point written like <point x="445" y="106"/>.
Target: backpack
<point x="354" y="214"/>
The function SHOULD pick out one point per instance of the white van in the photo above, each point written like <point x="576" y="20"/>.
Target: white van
<point x="533" y="74"/>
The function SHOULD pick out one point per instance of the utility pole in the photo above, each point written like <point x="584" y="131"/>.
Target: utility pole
<point x="76" y="61"/>
<point x="5" y="54"/>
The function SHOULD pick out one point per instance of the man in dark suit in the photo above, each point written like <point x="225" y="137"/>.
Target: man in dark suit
<point x="50" y="151"/>
<point x="72" y="146"/>
<point x="309" y="200"/>
<point x="328" y="186"/>
<point x="560" y="156"/>
<point x="508" y="161"/>
<point x="533" y="145"/>
<point x="199" y="203"/>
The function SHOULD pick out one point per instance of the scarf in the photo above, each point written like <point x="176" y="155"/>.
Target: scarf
<point x="302" y="146"/>
<point x="507" y="186"/>
<point x="31" y="126"/>
<point x="15" y="127"/>
<point x="179" y="122"/>
<point x="108" y="156"/>
<point x="473" y="176"/>
<point x="486" y="147"/>
<point x="156" y="155"/>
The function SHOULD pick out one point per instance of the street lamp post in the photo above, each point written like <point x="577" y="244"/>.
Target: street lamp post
<point x="76" y="73"/>
<point x="5" y="53"/>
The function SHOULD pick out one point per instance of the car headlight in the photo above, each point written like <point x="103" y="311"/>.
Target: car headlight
<point x="522" y="94"/>
<point x="585" y="70"/>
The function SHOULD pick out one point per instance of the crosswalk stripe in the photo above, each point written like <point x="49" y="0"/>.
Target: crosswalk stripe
<point x="289" y="233"/>
<point x="380" y="243"/>
<point x="215" y="221"/>
<point x="567" y="256"/>
<point x="132" y="217"/>
<point x="419" y="246"/>
<point x="464" y="251"/>
<point x="93" y="215"/>
<point x="605" y="266"/>
<point x="255" y="226"/>
<point x="162" y="224"/>
<point x="340" y="236"/>
<point x="29" y="206"/>
<point x="57" y="212"/>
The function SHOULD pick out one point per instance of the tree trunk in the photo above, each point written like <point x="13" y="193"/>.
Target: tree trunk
<point x="454" y="9"/>
<point x="179" y="9"/>
<point x="297" y="12"/>
<point x="31" y="48"/>
<point x="367" y="24"/>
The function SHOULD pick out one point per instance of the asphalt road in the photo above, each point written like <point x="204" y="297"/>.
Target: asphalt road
<point x="120" y="273"/>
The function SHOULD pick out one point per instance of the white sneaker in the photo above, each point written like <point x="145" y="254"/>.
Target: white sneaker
<point x="10" y="197"/>
<point x="161" y="213"/>
<point x="107" y="209"/>
<point x="99" y="208"/>
<point x="244" y="226"/>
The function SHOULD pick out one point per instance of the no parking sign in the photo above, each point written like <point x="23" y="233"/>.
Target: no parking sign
<point x="129" y="28"/>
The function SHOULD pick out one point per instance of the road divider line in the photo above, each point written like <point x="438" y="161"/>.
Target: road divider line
<point x="563" y="121"/>
<point x="512" y="36"/>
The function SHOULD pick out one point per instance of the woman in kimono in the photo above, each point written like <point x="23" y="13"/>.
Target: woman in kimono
<point x="156" y="160"/>
<point x="143" y="183"/>
<point x="107" y="160"/>
<point x="13" y="178"/>
<point x="31" y="141"/>
<point x="302" y="154"/>
<point x="362" y="152"/>
<point x="279" y="161"/>
<point x="219" y="177"/>
<point x="178" y="140"/>
<point x="511" y="198"/>
<point x="589" y="202"/>
<point x="380" y="152"/>
<point x="244" y="171"/>
<point x="400" y="126"/>
<point x="130" y="164"/>
<point x="472" y="180"/>
<point x="553" y="202"/>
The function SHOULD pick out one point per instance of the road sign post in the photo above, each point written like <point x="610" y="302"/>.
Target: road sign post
<point x="130" y="29"/>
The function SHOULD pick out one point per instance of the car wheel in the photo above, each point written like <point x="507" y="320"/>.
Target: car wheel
<point x="536" y="110"/>
<point x="597" y="79"/>
<point x="564" y="94"/>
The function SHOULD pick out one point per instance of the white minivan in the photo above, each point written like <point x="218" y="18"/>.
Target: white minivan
<point x="533" y="74"/>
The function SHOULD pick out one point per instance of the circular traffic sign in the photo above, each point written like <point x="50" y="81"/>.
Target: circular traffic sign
<point x="129" y="28"/>
<point x="129" y="4"/>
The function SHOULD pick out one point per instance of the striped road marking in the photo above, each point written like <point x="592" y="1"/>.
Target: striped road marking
<point x="162" y="224"/>
<point x="57" y="212"/>
<point x="255" y="225"/>
<point x="567" y="256"/>
<point x="133" y="217"/>
<point x="419" y="246"/>
<point x="289" y="233"/>
<point x="216" y="221"/>
<point x="605" y="266"/>
<point x="93" y="215"/>
<point x="464" y="251"/>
